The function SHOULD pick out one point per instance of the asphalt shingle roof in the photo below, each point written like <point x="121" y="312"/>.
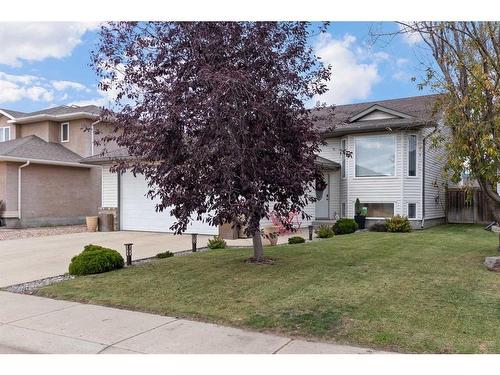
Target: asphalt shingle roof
<point x="13" y="113"/>
<point x="66" y="110"/>
<point x="33" y="147"/>
<point x="420" y="108"/>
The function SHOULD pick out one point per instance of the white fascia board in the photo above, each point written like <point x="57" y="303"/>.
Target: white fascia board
<point x="42" y="161"/>
<point x="46" y="117"/>
<point x="377" y="107"/>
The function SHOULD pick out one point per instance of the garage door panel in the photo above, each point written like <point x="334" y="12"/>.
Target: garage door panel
<point x="139" y="212"/>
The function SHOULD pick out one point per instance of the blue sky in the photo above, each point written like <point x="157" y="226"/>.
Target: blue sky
<point x="47" y="64"/>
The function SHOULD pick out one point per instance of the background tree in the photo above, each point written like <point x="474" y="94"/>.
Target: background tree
<point x="212" y="113"/>
<point x="467" y="71"/>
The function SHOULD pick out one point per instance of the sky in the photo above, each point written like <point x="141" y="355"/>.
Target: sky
<point x="46" y="64"/>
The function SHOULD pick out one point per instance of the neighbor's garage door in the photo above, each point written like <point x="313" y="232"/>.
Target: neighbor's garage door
<point x="138" y="212"/>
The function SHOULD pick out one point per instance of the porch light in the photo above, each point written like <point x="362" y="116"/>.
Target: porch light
<point x="193" y="241"/>
<point x="311" y="228"/>
<point x="128" y="253"/>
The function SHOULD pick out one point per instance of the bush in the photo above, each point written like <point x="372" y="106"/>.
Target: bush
<point x="378" y="227"/>
<point x="324" y="231"/>
<point x="165" y="254"/>
<point x="95" y="259"/>
<point x="398" y="224"/>
<point x="345" y="226"/>
<point x="296" y="239"/>
<point x="216" y="243"/>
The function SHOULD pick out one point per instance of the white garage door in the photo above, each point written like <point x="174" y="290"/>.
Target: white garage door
<point x="138" y="212"/>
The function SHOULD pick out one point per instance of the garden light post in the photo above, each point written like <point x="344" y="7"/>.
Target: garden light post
<point x="310" y="232"/>
<point x="128" y="253"/>
<point x="193" y="241"/>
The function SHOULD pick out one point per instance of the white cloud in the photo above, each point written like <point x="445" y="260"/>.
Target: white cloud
<point x="410" y="37"/>
<point x="64" y="85"/>
<point x="12" y="92"/>
<point x="401" y="76"/>
<point x="352" y="77"/>
<point x="401" y="61"/>
<point x="36" y="41"/>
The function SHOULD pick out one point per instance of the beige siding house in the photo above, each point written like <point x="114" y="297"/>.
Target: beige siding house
<point x="390" y="167"/>
<point x="42" y="181"/>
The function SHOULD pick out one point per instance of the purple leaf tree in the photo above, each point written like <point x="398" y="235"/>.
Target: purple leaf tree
<point x="213" y="115"/>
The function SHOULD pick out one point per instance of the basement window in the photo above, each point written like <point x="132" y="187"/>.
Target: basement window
<point x="379" y="210"/>
<point x="412" y="210"/>
<point x="65" y="132"/>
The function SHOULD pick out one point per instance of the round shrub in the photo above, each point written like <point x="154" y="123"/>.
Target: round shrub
<point x="296" y="239"/>
<point x="398" y="223"/>
<point x="216" y="243"/>
<point x="324" y="231"/>
<point x="165" y="254"/>
<point x="95" y="259"/>
<point x="345" y="226"/>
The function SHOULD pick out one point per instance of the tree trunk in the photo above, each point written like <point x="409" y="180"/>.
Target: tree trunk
<point x="258" y="249"/>
<point x="493" y="198"/>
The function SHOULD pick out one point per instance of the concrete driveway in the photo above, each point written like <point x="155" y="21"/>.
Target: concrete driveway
<point x="29" y="259"/>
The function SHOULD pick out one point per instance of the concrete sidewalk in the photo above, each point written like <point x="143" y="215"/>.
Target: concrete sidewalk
<point x="30" y="324"/>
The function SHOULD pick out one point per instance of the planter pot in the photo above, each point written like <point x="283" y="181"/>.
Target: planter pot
<point x="360" y="220"/>
<point x="91" y="223"/>
<point x="273" y="240"/>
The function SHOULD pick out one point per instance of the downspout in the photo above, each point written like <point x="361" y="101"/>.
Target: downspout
<point x="19" y="188"/>
<point x="423" y="173"/>
<point x="92" y="137"/>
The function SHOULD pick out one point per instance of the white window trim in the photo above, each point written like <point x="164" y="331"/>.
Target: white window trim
<point x="343" y="161"/>
<point x="408" y="156"/>
<point x="62" y="126"/>
<point x="408" y="210"/>
<point x="386" y="202"/>
<point x="394" y="176"/>
<point x="3" y="131"/>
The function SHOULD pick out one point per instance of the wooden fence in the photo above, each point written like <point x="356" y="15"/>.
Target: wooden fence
<point x="461" y="210"/>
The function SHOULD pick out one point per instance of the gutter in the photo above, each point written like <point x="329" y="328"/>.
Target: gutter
<point x="64" y="117"/>
<point x="19" y="188"/>
<point x="42" y="161"/>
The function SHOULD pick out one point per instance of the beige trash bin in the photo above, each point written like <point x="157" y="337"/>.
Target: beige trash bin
<point x="91" y="223"/>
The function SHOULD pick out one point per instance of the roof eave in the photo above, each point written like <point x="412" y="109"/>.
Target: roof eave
<point x="43" y="161"/>
<point x="341" y="132"/>
<point x="47" y="117"/>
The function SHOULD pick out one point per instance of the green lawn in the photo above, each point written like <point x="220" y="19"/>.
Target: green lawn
<point x="425" y="291"/>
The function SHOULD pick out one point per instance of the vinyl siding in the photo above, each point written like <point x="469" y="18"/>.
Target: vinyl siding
<point x="400" y="189"/>
<point x="434" y="178"/>
<point x="109" y="188"/>
<point x="374" y="189"/>
<point x="412" y="186"/>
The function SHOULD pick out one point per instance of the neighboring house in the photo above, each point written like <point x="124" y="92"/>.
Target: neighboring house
<point x="393" y="170"/>
<point x="42" y="181"/>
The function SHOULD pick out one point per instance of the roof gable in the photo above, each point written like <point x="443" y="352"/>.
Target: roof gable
<point x="378" y="112"/>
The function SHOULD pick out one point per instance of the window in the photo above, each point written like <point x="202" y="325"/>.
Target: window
<point x="65" y="132"/>
<point x="342" y="210"/>
<point x="412" y="210"/>
<point x="379" y="209"/>
<point x="412" y="155"/>
<point x="344" y="146"/>
<point x="5" y="134"/>
<point x="375" y="156"/>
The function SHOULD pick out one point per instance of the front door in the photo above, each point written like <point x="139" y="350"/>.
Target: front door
<point x="323" y="204"/>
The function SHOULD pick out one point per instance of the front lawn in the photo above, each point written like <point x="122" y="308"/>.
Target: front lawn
<point x="425" y="291"/>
